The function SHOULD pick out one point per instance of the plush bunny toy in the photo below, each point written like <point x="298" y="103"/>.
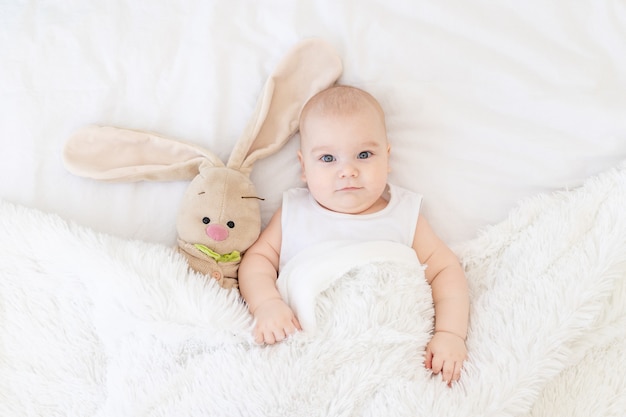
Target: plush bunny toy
<point x="219" y="217"/>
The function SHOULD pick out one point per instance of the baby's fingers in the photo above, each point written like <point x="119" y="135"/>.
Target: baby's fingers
<point x="456" y="375"/>
<point x="271" y="336"/>
<point x="437" y="364"/>
<point x="261" y="337"/>
<point x="451" y="371"/>
<point x="264" y="334"/>
<point x="258" y="338"/>
<point x="428" y="359"/>
<point x="296" y="323"/>
<point x="447" y="371"/>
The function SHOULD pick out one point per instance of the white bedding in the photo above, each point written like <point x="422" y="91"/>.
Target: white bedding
<point x="315" y="269"/>
<point x="95" y="325"/>
<point x="487" y="103"/>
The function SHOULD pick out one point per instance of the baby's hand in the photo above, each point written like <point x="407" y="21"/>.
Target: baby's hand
<point x="445" y="353"/>
<point x="274" y="321"/>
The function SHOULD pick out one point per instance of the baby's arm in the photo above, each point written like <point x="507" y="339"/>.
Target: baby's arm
<point x="257" y="284"/>
<point x="446" y="350"/>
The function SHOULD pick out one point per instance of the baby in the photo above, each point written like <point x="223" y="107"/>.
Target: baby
<point x="344" y="156"/>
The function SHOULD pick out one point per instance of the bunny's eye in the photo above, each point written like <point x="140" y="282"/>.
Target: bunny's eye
<point x="206" y="220"/>
<point x="230" y="224"/>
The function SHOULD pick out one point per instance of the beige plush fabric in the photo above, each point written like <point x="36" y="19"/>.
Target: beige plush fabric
<point x="220" y="195"/>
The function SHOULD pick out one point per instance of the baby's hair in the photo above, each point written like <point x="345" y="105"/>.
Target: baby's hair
<point x="340" y="99"/>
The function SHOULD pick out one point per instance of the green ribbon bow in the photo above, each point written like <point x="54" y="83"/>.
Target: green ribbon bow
<point x="227" y="257"/>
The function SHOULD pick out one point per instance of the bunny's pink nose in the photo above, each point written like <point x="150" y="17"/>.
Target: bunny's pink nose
<point x="217" y="232"/>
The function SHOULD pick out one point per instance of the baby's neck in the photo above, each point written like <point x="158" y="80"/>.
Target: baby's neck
<point x="380" y="204"/>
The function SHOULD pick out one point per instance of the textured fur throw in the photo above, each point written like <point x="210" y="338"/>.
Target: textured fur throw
<point x="92" y="325"/>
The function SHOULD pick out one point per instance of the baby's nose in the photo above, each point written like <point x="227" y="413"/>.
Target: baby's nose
<point x="217" y="232"/>
<point x="348" y="170"/>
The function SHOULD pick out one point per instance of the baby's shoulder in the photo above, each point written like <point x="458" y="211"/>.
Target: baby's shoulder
<point x="404" y="197"/>
<point x="400" y="191"/>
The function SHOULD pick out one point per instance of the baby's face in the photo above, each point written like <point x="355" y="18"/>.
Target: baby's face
<point x="345" y="160"/>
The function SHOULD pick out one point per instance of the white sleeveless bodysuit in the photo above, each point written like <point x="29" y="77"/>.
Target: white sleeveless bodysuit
<point x="306" y="223"/>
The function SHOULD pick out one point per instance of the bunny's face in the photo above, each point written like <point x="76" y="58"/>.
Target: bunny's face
<point x="220" y="210"/>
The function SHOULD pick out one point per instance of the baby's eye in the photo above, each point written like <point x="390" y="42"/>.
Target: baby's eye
<point x="364" y="155"/>
<point x="327" y="158"/>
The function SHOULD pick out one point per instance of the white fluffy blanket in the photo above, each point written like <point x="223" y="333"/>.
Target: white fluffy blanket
<point x="317" y="268"/>
<point x="92" y="325"/>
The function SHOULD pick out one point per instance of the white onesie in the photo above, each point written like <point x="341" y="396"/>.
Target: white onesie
<point x="306" y="223"/>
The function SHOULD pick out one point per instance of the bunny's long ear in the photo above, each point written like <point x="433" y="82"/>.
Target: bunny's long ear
<point x="311" y="66"/>
<point x="113" y="154"/>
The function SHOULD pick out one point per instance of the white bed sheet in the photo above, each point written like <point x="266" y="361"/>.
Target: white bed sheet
<point x="487" y="102"/>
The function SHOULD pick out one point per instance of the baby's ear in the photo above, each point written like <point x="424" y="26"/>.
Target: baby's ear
<point x="302" y="171"/>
